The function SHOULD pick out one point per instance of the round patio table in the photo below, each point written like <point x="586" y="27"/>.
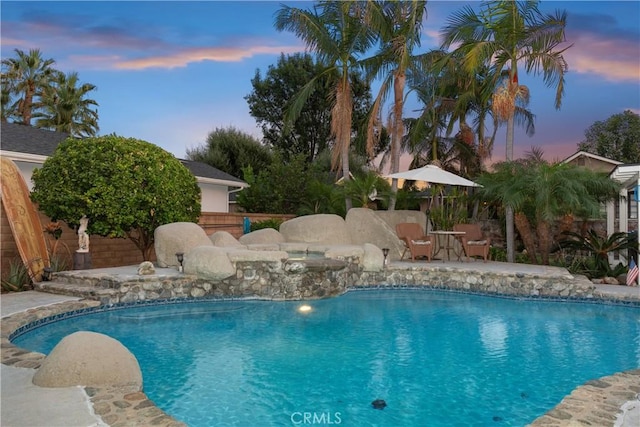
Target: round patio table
<point x="446" y="240"/>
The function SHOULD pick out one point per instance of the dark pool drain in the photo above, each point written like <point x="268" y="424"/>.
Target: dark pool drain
<point x="379" y="404"/>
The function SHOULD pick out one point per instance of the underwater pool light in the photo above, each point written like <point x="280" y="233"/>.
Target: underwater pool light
<point x="304" y="308"/>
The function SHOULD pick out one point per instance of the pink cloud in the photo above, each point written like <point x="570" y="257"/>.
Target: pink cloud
<point x="216" y="54"/>
<point x="614" y="59"/>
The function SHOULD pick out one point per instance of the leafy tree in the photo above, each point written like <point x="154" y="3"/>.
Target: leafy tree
<point x="323" y="198"/>
<point x="505" y="33"/>
<point x="280" y="188"/>
<point x="310" y="133"/>
<point x="126" y="187"/>
<point x="540" y="192"/>
<point x="24" y="76"/>
<point x="365" y="187"/>
<point x="399" y="27"/>
<point x="64" y="106"/>
<point x="232" y="150"/>
<point x="616" y="138"/>
<point x="336" y="33"/>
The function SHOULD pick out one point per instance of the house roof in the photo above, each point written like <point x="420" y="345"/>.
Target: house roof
<point x="28" y="143"/>
<point x="20" y="138"/>
<point x="592" y="156"/>
<point x="203" y="170"/>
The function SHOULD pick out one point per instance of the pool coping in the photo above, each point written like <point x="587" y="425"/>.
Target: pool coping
<point x="596" y="402"/>
<point x="116" y="406"/>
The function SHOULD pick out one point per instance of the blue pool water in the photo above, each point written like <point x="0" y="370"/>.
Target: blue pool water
<point x="436" y="358"/>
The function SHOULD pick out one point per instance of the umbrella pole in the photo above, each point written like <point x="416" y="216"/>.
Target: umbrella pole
<point x="427" y="212"/>
<point x="426" y="226"/>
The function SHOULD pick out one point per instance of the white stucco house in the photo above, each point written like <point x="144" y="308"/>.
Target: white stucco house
<point x="29" y="147"/>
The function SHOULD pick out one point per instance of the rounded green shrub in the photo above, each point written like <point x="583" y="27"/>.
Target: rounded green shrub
<point x="125" y="186"/>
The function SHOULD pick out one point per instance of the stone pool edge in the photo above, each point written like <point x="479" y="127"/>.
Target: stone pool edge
<point x="116" y="406"/>
<point x="596" y="401"/>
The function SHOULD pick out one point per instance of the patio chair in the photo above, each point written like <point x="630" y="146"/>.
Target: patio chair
<point x="473" y="241"/>
<point x="416" y="242"/>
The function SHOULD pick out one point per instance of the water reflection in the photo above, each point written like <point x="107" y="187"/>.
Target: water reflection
<point x="493" y="334"/>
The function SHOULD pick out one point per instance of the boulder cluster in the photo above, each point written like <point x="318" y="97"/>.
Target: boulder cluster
<point x="362" y="234"/>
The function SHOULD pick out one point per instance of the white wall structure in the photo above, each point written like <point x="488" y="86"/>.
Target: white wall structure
<point x="215" y="196"/>
<point x="27" y="163"/>
<point x="628" y="203"/>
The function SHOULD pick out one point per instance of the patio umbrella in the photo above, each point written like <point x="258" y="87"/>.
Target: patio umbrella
<point x="433" y="175"/>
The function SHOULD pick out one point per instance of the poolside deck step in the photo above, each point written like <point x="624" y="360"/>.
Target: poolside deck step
<point x="79" y="278"/>
<point x="86" y="290"/>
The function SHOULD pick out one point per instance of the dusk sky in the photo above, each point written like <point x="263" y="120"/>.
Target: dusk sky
<point x="171" y="72"/>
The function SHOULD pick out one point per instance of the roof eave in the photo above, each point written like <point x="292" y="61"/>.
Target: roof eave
<point x="23" y="157"/>
<point x="213" y="181"/>
<point x="627" y="175"/>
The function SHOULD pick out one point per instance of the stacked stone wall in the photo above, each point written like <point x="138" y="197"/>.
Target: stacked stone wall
<point x="316" y="278"/>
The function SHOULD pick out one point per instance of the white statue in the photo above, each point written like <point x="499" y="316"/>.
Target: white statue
<point x="83" y="237"/>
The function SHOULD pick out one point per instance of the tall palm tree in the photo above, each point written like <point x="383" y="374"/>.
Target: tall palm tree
<point x="508" y="32"/>
<point x="64" y="106"/>
<point x="471" y="93"/>
<point x="29" y="74"/>
<point x="399" y="26"/>
<point x="335" y="32"/>
<point x="426" y="131"/>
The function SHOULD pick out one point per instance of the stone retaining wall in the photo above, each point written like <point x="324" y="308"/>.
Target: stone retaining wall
<point x="314" y="278"/>
<point x="467" y="279"/>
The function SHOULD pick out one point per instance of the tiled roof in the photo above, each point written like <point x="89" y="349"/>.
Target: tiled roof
<point x="27" y="139"/>
<point x="206" y="171"/>
<point x="19" y="138"/>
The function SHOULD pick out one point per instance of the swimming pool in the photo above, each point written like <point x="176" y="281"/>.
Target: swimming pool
<point x="436" y="358"/>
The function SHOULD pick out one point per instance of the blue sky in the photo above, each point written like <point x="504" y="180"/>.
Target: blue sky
<point x="171" y="72"/>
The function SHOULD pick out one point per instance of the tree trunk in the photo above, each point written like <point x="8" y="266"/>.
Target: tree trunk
<point x="398" y="130"/>
<point x="143" y="242"/>
<point x="544" y="240"/>
<point x="341" y="118"/>
<point x="146" y="253"/>
<point x="524" y="228"/>
<point x="566" y="223"/>
<point x="27" y="106"/>
<point x="509" y="211"/>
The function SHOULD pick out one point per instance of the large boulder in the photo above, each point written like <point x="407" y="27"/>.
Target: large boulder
<point x="224" y="239"/>
<point x="393" y="218"/>
<point x="367" y="226"/>
<point x="373" y="259"/>
<point x="177" y="237"/>
<point x="239" y="255"/>
<point x="89" y="359"/>
<point x="321" y="228"/>
<point x="263" y="236"/>
<point x="208" y="262"/>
